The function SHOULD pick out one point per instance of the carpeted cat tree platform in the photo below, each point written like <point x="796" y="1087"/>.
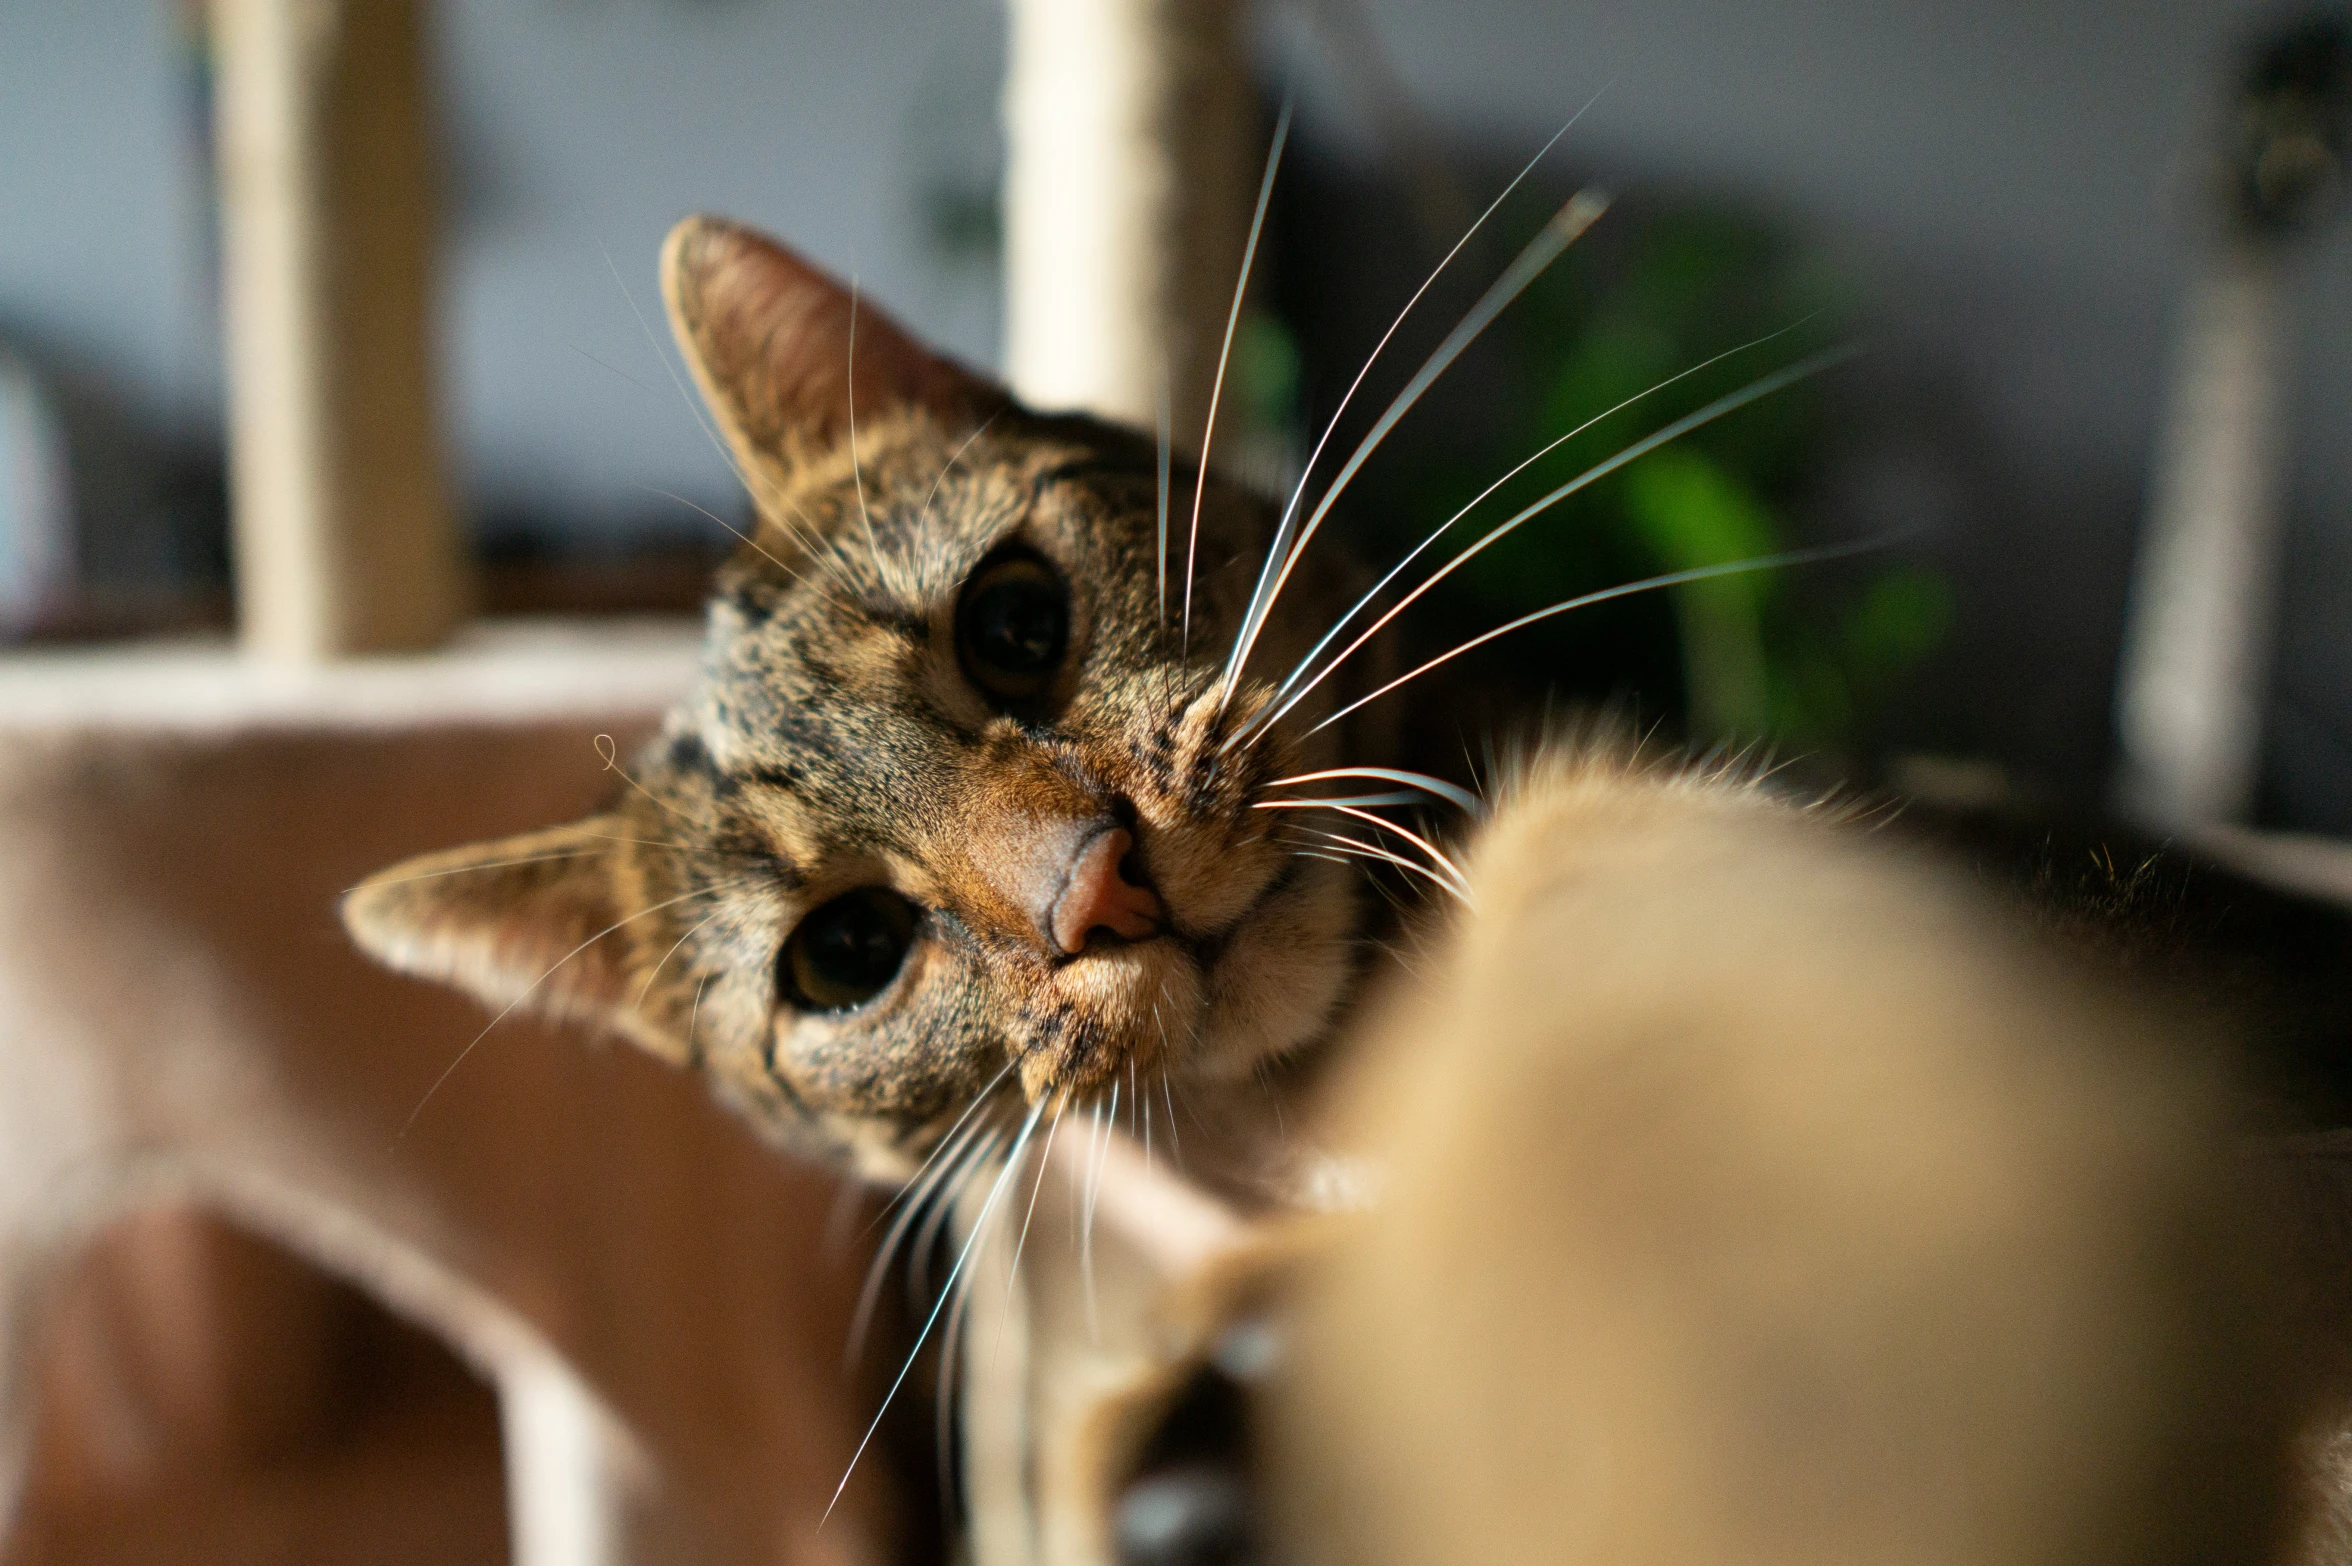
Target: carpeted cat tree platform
<point x="184" y="1027"/>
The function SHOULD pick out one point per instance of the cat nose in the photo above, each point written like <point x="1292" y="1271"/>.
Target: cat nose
<point x="1098" y="896"/>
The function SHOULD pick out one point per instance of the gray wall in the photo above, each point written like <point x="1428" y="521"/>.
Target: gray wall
<point x="2009" y="177"/>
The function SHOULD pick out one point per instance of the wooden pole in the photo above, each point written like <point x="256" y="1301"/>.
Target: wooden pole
<point x="342" y="527"/>
<point x="1130" y="169"/>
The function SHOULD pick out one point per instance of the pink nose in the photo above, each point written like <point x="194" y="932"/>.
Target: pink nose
<point x="1098" y="897"/>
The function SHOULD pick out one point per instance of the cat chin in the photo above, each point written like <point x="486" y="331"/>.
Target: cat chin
<point x="1277" y="979"/>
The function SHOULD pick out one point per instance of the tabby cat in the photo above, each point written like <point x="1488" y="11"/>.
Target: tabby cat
<point x="977" y="820"/>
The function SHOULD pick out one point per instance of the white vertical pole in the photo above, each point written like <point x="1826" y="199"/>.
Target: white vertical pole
<point x="2196" y="655"/>
<point x="1129" y="129"/>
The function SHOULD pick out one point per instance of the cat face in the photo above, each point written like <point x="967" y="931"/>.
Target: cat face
<point x="958" y="807"/>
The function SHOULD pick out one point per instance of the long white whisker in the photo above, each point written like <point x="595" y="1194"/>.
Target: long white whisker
<point x="940" y="1175"/>
<point x="1045" y="1153"/>
<point x="1357" y="848"/>
<point x="933" y="492"/>
<point x="1568" y="224"/>
<point x="1299" y="489"/>
<point x="1166" y="455"/>
<point x="857" y="473"/>
<point x="1763" y="387"/>
<point x="979" y="1228"/>
<point x="529" y="989"/>
<point x="978" y="1099"/>
<point x="1437" y="856"/>
<point x="1790" y="557"/>
<point x="1448" y="792"/>
<point x="1249" y="255"/>
<point x="1402" y="796"/>
<point x="693" y="404"/>
<point x="1275" y="710"/>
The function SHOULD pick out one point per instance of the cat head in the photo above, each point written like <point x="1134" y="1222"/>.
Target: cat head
<point x="961" y="806"/>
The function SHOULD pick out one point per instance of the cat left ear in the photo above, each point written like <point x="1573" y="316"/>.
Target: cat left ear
<point x="769" y="338"/>
<point x="527" y="921"/>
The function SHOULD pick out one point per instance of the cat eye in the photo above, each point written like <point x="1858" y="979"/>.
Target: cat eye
<point x="1013" y="626"/>
<point x="847" y="951"/>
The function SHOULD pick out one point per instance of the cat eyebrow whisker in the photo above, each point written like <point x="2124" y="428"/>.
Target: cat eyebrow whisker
<point x="692" y="931"/>
<point x="857" y="475"/>
<point x="610" y="752"/>
<point x="924" y="510"/>
<point x="1275" y="710"/>
<point x="1249" y="255"/>
<point x="964" y="1255"/>
<point x="485" y="864"/>
<point x="1730" y="402"/>
<point x="693" y="407"/>
<point x="1565" y="227"/>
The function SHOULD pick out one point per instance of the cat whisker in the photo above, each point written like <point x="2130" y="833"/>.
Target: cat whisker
<point x="1167" y="431"/>
<point x="529" y="989"/>
<point x="1437" y="856"/>
<point x="1249" y="255"/>
<point x="486" y="864"/>
<point x="1791" y="557"/>
<point x="1044" y="1155"/>
<point x="923" y="1203"/>
<point x="1094" y="1174"/>
<point x="1453" y="795"/>
<point x="693" y="1021"/>
<point x="1581" y="211"/>
<point x="610" y="753"/>
<point x="961" y="1121"/>
<point x="1356" y="847"/>
<point x="931" y="494"/>
<point x="857" y="472"/>
<point x="696" y="851"/>
<point x="692" y="931"/>
<point x="1274" y="551"/>
<point x="963" y="1255"/>
<point x="1728" y="403"/>
<point x="693" y="405"/>
<point x="1275" y="710"/>
<point x="1402" y="796"/>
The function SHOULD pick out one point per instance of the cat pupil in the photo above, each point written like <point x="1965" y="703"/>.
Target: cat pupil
<point x="1014" y="626"/>
<point x="847" y="952"/>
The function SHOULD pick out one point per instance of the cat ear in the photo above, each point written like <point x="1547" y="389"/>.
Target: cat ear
<point x="768" y="337"/>
<point x="514" y="921"/>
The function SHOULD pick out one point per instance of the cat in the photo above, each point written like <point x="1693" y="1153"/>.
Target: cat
<point x="960" y="799"/>
<point x="979" y="820"/>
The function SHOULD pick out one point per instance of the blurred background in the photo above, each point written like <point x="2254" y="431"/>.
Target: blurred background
<point x="2009" y="202"/>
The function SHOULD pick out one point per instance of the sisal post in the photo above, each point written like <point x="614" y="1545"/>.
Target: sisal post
<point x="1131" y="165"/>
<point x="342" y="523"/>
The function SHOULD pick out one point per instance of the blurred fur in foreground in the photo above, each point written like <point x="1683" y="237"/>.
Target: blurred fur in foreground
<point x="1747" y="1193"/>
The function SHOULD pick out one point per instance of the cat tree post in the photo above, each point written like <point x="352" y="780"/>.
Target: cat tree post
<point x="1130" y="166"/>
<point x="342" y="526"/>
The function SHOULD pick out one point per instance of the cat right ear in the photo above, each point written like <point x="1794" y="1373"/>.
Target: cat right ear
<point x="769" y="339"/>
<point x="525" y="921"/>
